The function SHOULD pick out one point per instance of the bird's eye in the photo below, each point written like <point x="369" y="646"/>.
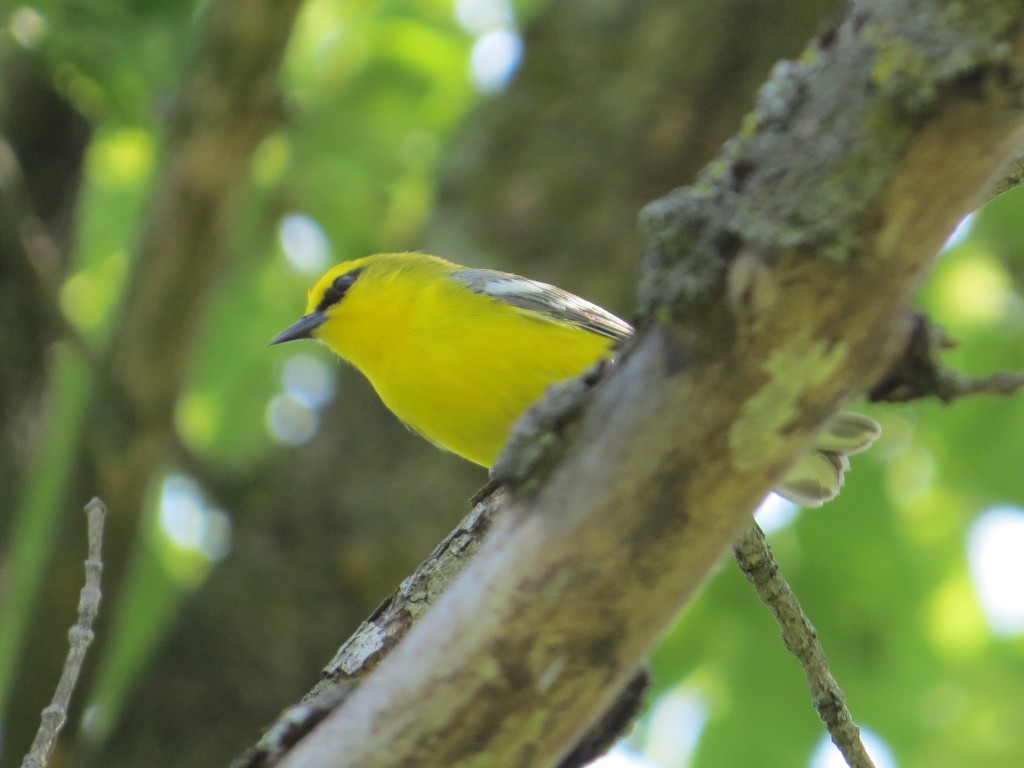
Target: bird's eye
<point x="342" y="283"/>
<point x="336" y="291"/>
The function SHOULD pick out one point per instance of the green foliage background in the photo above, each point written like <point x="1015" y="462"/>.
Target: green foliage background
<point x="387" y="145"/>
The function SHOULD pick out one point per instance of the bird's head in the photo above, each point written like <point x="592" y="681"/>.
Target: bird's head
<point x="323" y="301"/>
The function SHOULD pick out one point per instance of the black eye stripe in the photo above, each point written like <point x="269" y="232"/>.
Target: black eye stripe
<point x="336" y="291"/>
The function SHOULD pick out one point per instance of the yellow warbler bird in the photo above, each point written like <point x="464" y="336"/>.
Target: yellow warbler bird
<point x="459" y="354"/>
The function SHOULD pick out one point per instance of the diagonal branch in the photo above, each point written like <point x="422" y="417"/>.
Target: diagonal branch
<point x="832" y="185"/>
<point x="378" y="635"/>
<point x="755" y="559"/>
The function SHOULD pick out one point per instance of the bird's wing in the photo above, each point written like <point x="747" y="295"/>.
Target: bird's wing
<point x="544" y="299"/>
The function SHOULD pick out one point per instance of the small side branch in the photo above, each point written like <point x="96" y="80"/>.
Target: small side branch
<point x="79" y="639"/>
<point x="955" y="385"/>
<point x="755" y="559"/>
<point x="919" y="374"/>
<point x="950" y="385"/>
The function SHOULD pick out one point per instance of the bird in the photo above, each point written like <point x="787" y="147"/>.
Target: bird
<point x="459" y="354"/>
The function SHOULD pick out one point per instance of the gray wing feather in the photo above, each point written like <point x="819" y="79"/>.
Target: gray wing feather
<point x="544" y="299"/>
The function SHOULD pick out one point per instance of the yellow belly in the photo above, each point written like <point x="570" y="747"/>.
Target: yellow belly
<point x="464" y="391"/>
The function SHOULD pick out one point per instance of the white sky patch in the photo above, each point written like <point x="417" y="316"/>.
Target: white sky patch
<point x="674" y="727"/>
<point x="775" y="513"/>
<point x="623" y="757"/>
<point x="995" y="551"/>
<point x="827" y="756"/>
<point x="963" y="229"/>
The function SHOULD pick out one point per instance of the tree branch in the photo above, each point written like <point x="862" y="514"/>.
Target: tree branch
<point x="755" y="559"/>
<point x="378" y="635"/>
<point x="79" y="639"/>
<point x="1013" y="176"/>
<point x="832" y="185"/>
<point x="918" y="373"/>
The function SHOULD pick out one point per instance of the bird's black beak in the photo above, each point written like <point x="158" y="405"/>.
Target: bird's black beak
<point x="303" y="329"/>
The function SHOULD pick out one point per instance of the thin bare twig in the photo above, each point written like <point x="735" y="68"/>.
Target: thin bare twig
<point x="918" y="373"/>
<point x="951" y="385"/>
<point x="79" y="638"/>
<point x="755" y="559"/>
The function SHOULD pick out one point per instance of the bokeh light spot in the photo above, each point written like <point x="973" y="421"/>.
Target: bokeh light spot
<point x="181" y="513"/>
<point x="199" y="535"/>
<point x="495" y="58"/>
<point x="480" y="16"/>
<point x="28" y="27"/>
<point x="270" y="160"/>
<point x="291" y="421"/>
<point x="121" y="159"/>
<point x="305" y="244"/>
<point x="994" y="546"/>
<point x="309" y="380"/>
<point x="953" y="620"/>
<point x="974" y="290"/>
<point x="87" y="297"/>
<point x="190" y="523"/>
<point x="197" y="419"/>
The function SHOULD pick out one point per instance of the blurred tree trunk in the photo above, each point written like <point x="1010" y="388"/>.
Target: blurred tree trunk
<point x="228" y="101"/>
<point x="614" y="104"/>
<point x="42" y="146"/>
<point x="43" y="140"/>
